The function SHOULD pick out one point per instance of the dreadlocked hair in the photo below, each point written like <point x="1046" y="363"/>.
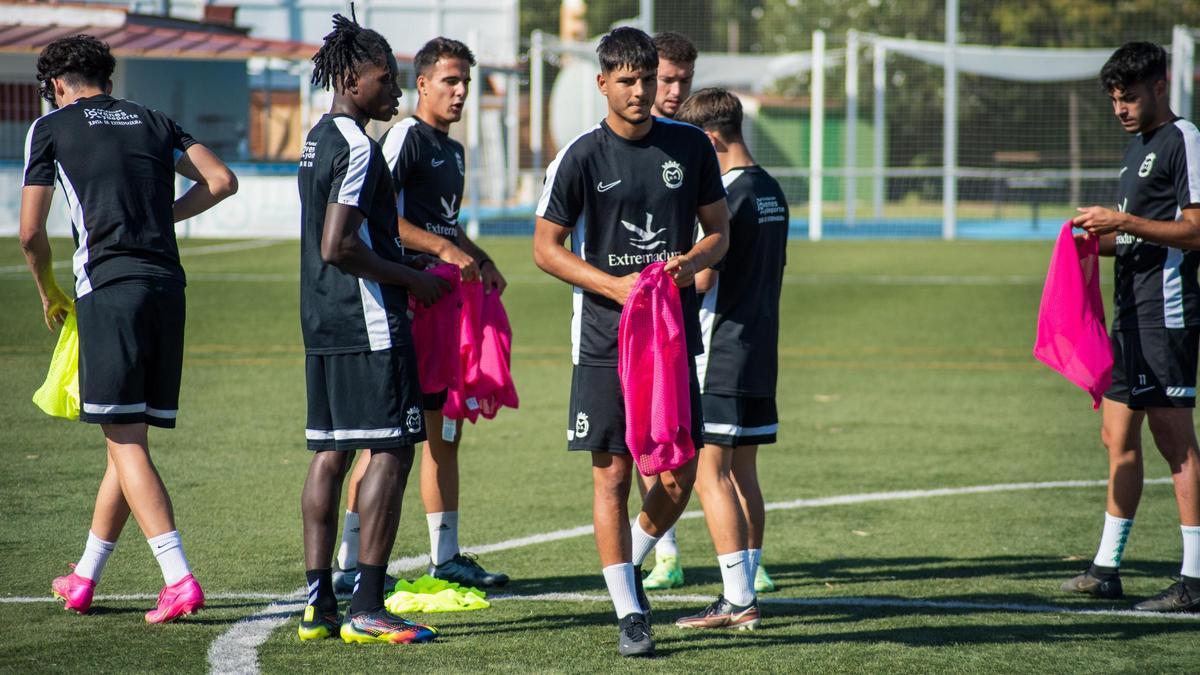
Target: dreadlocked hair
<point x="347" y="47"/>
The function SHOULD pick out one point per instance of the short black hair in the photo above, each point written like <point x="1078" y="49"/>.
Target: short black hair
<point x="674" y="47"/>
<point x="627" y="47"/>
<point x="440" y="48"/>
<point x="713" y="109"/>
<point x="346" y="48"/>
<point x="78" y="59"/>
<point x="1134" y="63"/>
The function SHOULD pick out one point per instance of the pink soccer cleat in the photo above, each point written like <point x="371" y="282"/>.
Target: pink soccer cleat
<point x="75" y="591"/>
<point x="176" y="600"/>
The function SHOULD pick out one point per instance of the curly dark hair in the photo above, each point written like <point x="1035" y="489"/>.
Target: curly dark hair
<point x="1134" y="63"/>
<point x="674" y="47"/>
<point x="627" y="47"/>
<point x="346" y="48"/>
<point x="438" y="48"/>
<point x="79" y="60"/>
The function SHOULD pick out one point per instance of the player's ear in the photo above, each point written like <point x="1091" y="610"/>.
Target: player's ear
<point x="715" y="140"/>
<point x="422" y="83"/>
<point x="60" y="88"/>
<point x="602" y="83"/>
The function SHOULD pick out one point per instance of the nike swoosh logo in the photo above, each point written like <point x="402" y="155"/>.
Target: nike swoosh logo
<point x="729" y="567"/>
<point x="601" y="187"/>
<point x="1142" y="390"/>
<point x="437" y="163"/>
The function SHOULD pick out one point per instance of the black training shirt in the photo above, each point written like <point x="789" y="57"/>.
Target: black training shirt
<point x="339" y="312"/>
<point x="115" y="162"/>
<point x="427" y="172"/>
<point x="630" y="204"/>
<point x="1156" y="285"/>
<point x="739" y="316"/>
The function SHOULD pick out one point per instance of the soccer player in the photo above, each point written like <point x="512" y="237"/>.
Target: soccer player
<point x="1154" y="234"/>
<point x="628" y="192"/>
<point x="116" y="161"/>
<point x="428" y="170"/>
<point x="360" y="366"/>
<point x="739" y="322"/>
<point x="676" y="65"/>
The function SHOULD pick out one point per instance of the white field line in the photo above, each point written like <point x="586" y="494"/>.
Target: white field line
<point x="208" y="249"/>
<point x="127" y="597"/>
<point x="236" y="650"/>
<point x="902" y="603"/>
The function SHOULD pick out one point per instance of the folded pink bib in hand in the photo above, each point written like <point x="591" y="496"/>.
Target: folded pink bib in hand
<point x="435" y="331"/>
<point x="652" y="363"/>
<point x="1071" y="336"/>
<point x="483" y="358"/>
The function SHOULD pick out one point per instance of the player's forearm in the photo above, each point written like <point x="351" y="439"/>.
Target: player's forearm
<point x="35" y="244"/>
<point x="200" y="198"/>
<point x="353" y="257"/>
<point x="709" y="250"/>
<point x="561" y="264"/>
<point x="420" y="239"/>
<point x="471" y="248"/>
<point x="1108" y="244"/>
<point x="1183" y="233"/>
<point x="706" y="279"/>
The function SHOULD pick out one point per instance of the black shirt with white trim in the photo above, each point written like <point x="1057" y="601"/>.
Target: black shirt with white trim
<point x="739" y="315"/>
<point x="339" y="312"/>
<point x="115" y="161"/>
<point x="1156" y="285"/>
<point x="629" y="204"/>
<point x="428" y="175"/>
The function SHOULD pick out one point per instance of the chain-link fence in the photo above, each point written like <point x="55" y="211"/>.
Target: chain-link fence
<point x="1030" y="134"/>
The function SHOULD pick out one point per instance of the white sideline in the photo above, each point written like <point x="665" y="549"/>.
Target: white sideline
<point x="236" y="650"/>
<point x="208" y="249"/>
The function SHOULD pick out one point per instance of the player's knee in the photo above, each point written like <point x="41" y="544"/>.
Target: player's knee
<point x="1120" y="446"/>
<point x="396" y="461"/>
<point x="678" y="483"/>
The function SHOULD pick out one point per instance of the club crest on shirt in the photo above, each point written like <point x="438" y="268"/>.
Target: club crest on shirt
<point x="412" y="418"/>
<point x="1147" y="165"/>
<point x="462" y="170"/>
<point x="672" y="174"/>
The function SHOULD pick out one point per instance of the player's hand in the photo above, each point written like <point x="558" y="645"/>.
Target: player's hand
<point x="493" y="280"/>
<point x="465" y="263"/>
<point x="427" y="288"/>
<point x="424" y="261"/>
<point x="1097" y="220"/>
<point x="682" y="270"/>
<point x="55" y="306"/>
<point x="621" y="287"/>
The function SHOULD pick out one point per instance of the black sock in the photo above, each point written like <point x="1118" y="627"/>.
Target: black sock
<point x="1101" y="572"/>
<point x="320" y="589"/>
<point x="368" y="596"/>
<point x="1192" y="583"/>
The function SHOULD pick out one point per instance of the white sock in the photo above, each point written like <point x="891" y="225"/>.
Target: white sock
<point x="168" y="550"/>
<point x="666" y="545"/>
<point x="1191" y="551"/>
<point x="1112" y="542"/>
<point x="443" y="536"/>
<point x="755" y="561"/>
<point x="623" y="589"/>
<point x="347" y="555"/>
<point x="95" y="557"/>
<point x="736" y="576"/>
<point x="643" y="543"/>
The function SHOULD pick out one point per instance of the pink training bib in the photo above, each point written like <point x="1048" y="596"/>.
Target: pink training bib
<point x="652" y="364"/>
<point x="1071" y="335"/>
<point x="432" y="328"/>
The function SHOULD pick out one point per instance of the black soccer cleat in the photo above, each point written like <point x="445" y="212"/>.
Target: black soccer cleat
<point x="464" y="569"/>
<point x="1177" y="597"/>
<point x="1103" y="586"/>
<point x="635" y="637"/>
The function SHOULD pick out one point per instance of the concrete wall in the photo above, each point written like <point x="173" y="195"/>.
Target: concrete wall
<point x="209" y="99"/>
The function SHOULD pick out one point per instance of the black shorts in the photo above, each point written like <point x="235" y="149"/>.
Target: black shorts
<point x="131" y="352"/>
<point x="740" y="420"/>
<point x="1154" y="367"/>
<point x="435" y="402"/>
<point x="368" y="400"/>
<point x="596" y="422"/>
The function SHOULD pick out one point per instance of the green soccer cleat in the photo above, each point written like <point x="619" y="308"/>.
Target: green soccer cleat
<point x="762" y="581"/>
<point x="667" y="573"/>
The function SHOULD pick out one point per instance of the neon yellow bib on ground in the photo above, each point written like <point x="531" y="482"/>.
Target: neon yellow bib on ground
<point x="434" y="595"/>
